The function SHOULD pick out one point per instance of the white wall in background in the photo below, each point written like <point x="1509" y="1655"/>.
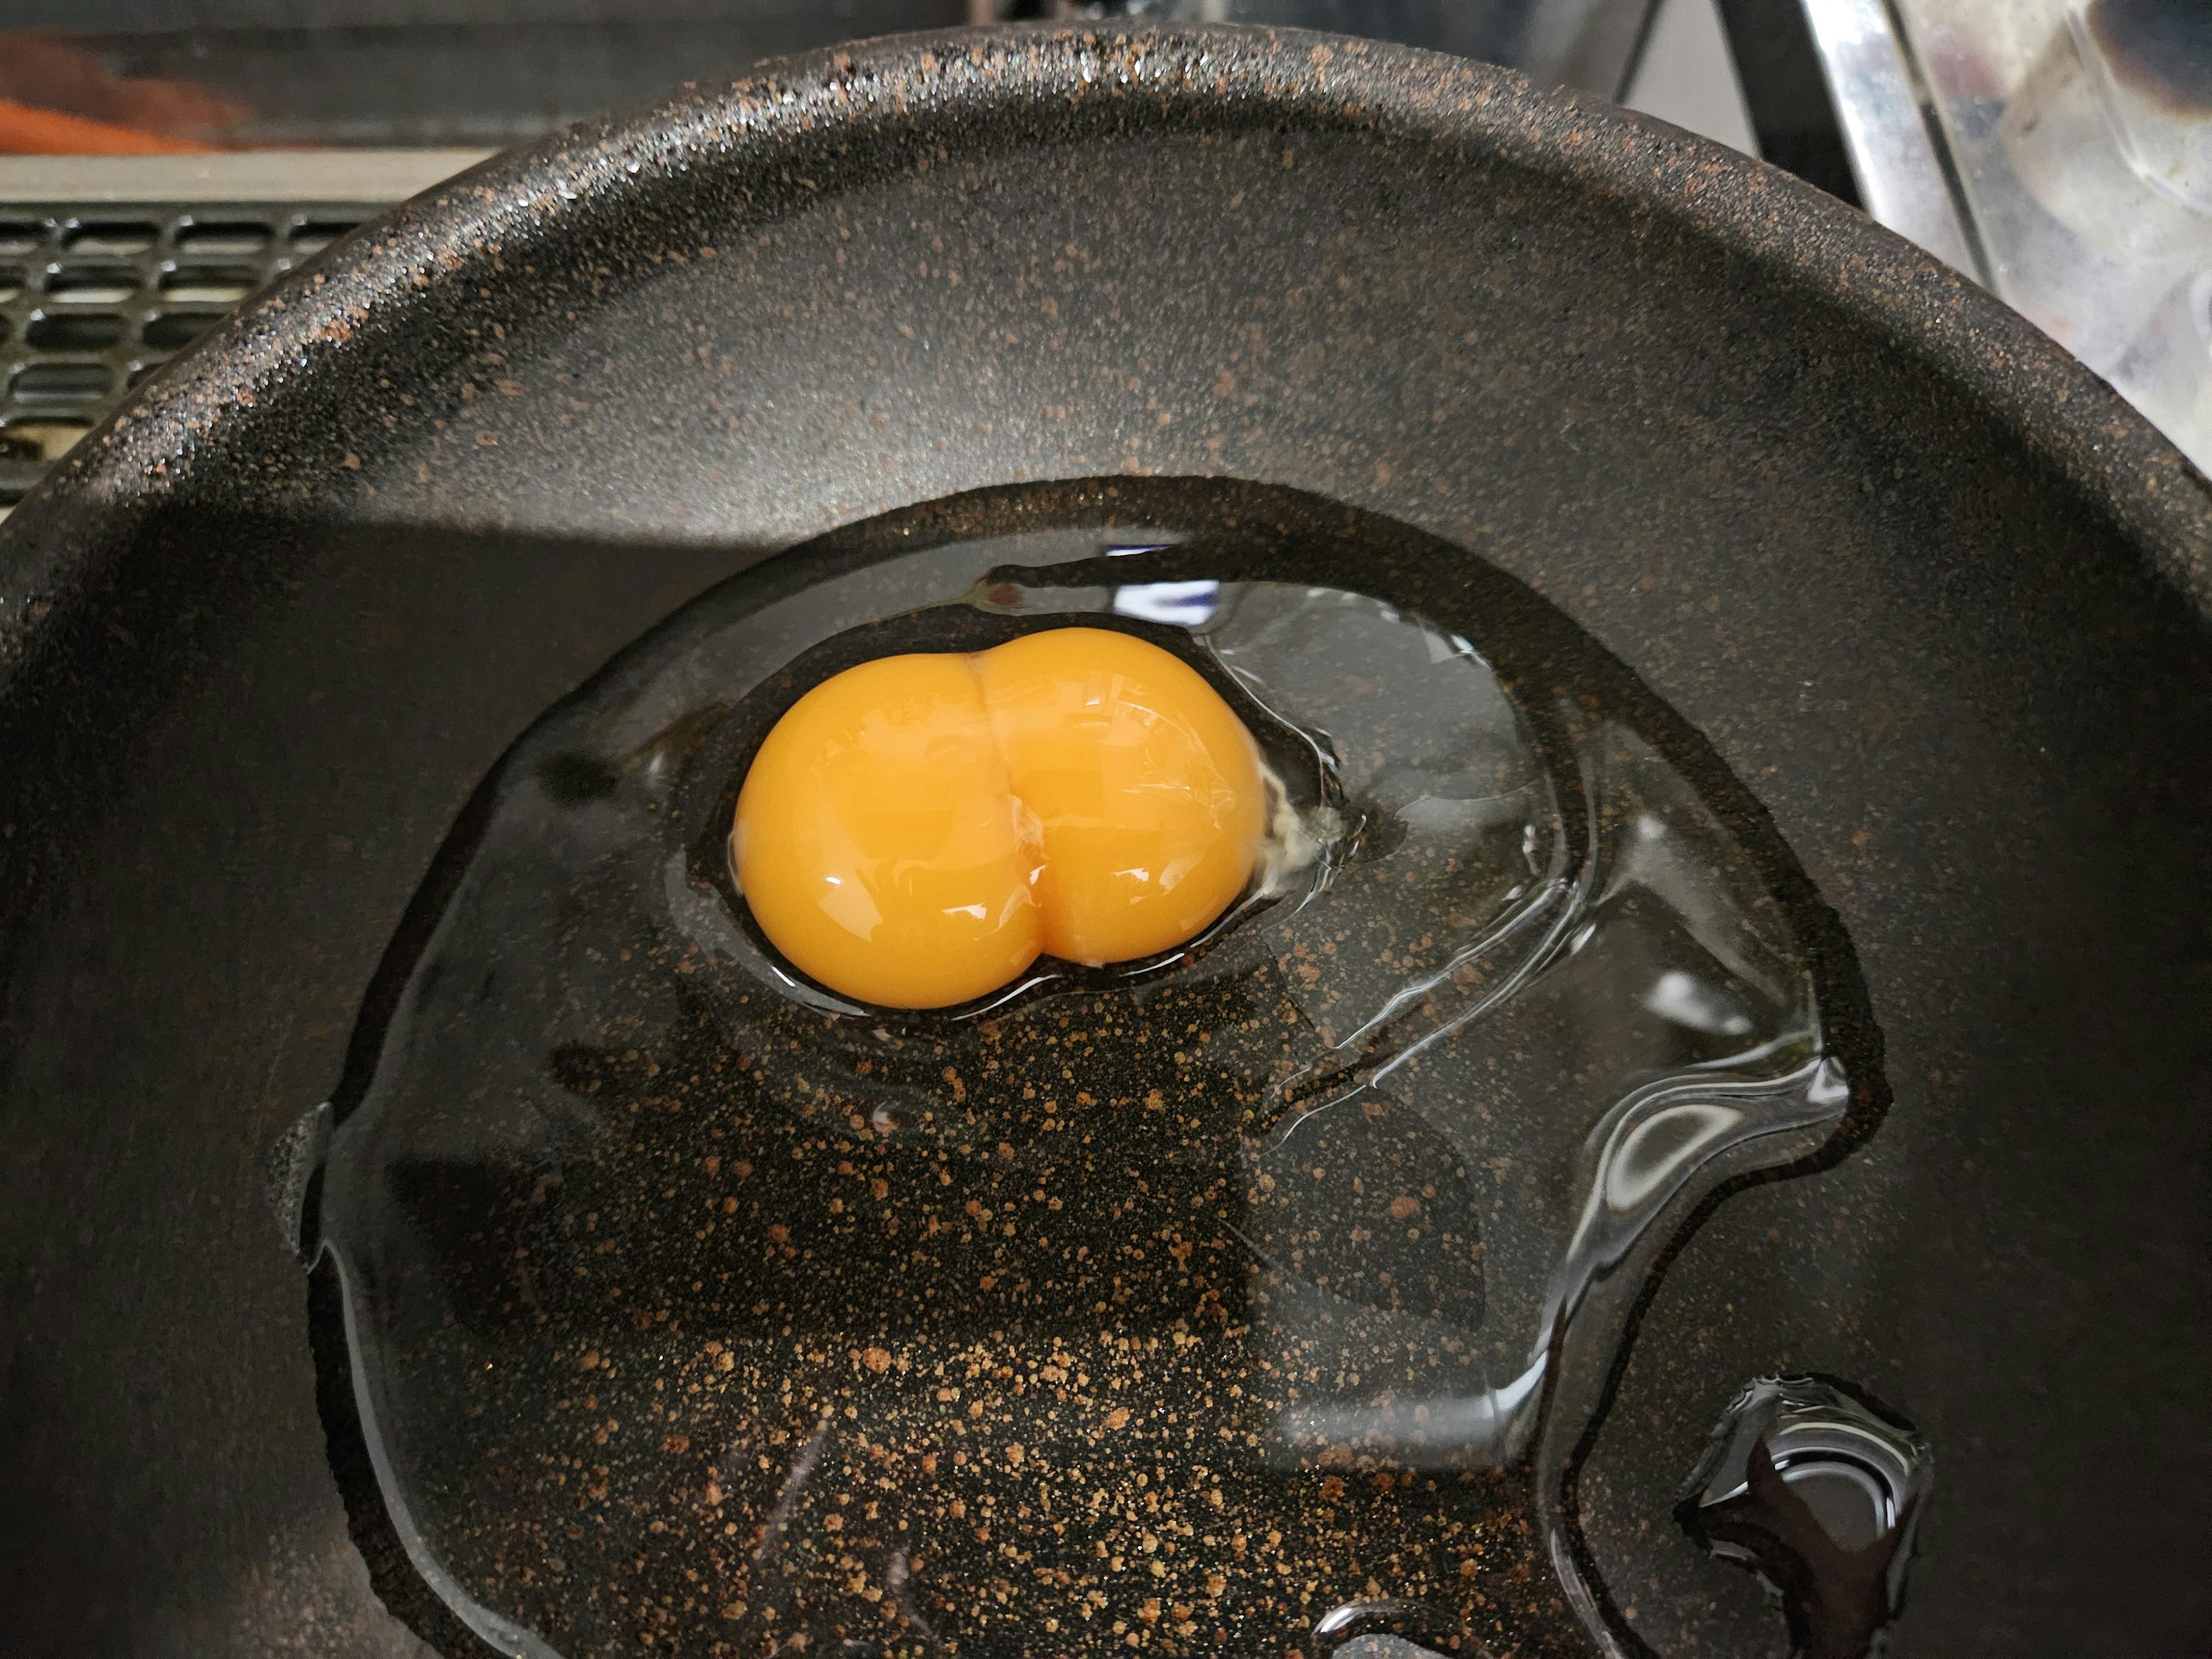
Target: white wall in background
<point x="1687" y="75"/>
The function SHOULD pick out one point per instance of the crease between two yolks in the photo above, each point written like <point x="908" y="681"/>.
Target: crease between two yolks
<point x="916" y="831"/>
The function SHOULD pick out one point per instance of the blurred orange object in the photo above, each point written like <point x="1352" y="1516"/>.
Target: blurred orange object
<point x="26" y="130"/>
<point x="59" y="98"/>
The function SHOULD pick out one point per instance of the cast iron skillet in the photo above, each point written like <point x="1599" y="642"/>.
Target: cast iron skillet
<point x="1929" y="590"/>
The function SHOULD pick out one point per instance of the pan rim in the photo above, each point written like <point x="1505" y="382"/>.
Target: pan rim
<point x="331" y="310"/>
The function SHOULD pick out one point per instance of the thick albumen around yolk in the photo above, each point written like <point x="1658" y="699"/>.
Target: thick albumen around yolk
<point x="917" y="830"/>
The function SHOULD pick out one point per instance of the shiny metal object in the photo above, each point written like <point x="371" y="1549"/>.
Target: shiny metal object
<point x="266" y="175"/>
<point x="1898" y="152"/>
<point x="2055" y="151"/>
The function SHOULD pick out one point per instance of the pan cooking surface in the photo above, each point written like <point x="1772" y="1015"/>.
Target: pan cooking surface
<point x="1237" y="1294"/>
<point x="1923" y="591"/>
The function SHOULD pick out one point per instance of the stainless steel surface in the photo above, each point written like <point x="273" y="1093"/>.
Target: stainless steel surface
<point x="2046" y="149"/>
<point x="269" y="175"/>
<point x="1902" y="166"/>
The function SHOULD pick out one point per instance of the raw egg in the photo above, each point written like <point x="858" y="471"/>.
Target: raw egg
<point x="917" y="831"/>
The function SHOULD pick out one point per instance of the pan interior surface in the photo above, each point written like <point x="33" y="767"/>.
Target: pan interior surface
<point x="668" y="1275"/>
<point x="1923" y="589"/>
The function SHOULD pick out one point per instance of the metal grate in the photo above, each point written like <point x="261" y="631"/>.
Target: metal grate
<point x="93" y="299"/>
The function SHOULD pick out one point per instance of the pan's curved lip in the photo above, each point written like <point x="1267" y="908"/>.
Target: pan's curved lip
<point x="2055" y="407"/>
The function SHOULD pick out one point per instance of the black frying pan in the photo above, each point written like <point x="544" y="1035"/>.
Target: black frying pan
<point x="1927" y="588"/>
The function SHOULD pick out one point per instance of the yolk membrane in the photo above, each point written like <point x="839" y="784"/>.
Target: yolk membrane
<point x="916" y="831"/>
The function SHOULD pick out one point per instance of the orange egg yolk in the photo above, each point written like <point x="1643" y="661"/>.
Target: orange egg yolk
<point x="917" y="831"/>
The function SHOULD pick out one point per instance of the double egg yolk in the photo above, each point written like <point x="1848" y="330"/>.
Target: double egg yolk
<point x="917" y="831"/>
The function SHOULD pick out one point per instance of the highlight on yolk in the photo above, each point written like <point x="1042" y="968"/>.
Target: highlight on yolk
<point x="917" y="830"/>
